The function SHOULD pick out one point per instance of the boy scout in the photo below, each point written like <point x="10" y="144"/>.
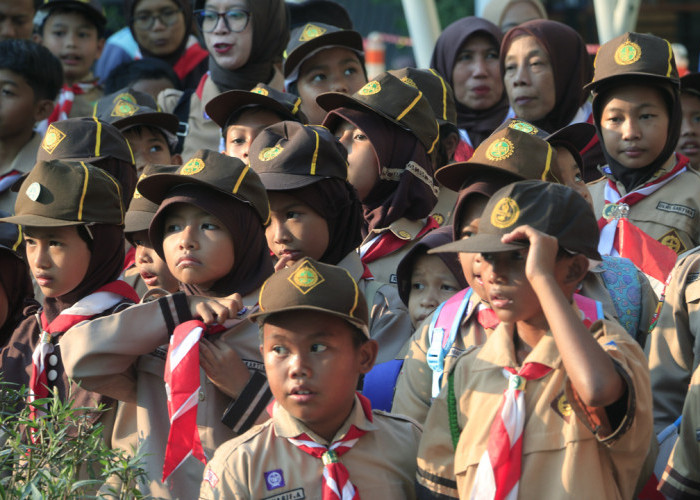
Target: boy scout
<point x="323" y="437"/>
<point x="581" y="425"/>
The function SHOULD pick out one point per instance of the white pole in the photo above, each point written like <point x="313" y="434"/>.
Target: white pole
<point x="424" y="28"/>
<point x="615" y="17"/>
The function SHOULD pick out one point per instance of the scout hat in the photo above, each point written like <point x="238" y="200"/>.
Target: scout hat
<point x="225" y="174"/>
<point x="289" y="155"/>
<point x="509" y="151"/>
<point x="67" y="193"/>
<point x="221" y="107"/>
<point x="435" y="89"/>
<point x="91" y="8"/>
<point x="554" y="209"/>
<point x="307" y="40"/>
<point x="691" y="83"/>
<point x="141" y="209"/>
<point x="634" y="54"/>
<point x="393" y="100"/>
<point x="323" y="11"/>
<point x="310" y="285"/>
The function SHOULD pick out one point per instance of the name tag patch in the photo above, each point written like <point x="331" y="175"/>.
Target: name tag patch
<point x="297" y="494"/>
<point x="676" y="209"/>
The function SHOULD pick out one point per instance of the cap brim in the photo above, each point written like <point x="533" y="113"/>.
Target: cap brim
<point x="285" y="182"/>
<point x="345" y="38"/>
<point x="137" y="221"/>
<point x="454" y="175"/>
<point x="479" y="243"/>
<point x="221" y="107"/>
<point x="597" y="84"/>
<point x="40" y="221"/>
<point x="165" y="121"/>
<point x="262" y="316"/>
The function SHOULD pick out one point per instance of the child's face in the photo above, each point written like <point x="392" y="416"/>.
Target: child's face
<point x="16" y="19"/>
<point x="363" y="168"/>
<point x="149" y="146"/>
<point x="476" y="75"/>
<point x="241" y="133"/>
<point x="432" y="283"/>
<point x="295" y="230"/>
<point x="332" y="70"/>
<point x="153" y="270"/>
<point x="230" y="50"/>
<point x="471" y="262"/>
<point x="689" y="143"/>
<point x="58" y="258"/>
<point x="72" y="38"/>
<point x="529" y="79"/>
<point x="634" y="125"/>
<point x="568" y="173"/>
<point x="166" y="35"/>
<point x="18" y="108"/>
<point x="197" y="246"/>
<point x="313" y="366"/>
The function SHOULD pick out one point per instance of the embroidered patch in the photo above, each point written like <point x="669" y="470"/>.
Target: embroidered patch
<point x="628" y="53"/>
<point x="409" y="82"/>
<point x="310" y="32"/>
<point x="439" y="218"/>
<point x="268" y="154"/>
<point x="528" y="128"/>
<point x="561" y="407"/>
<point x="33" y="191"/>
<point x="297" y="494"/>
<point x="52" y="139"/>
<point x="211" y="478"/>
<point x="260" y="90"/>
<point x="423" y="176"/>
<point x="394" y="279"/>
<point x="370" y="88"/>
<point x="124" y="108"/>
<point x="505" y="213"/>
<point x="673" y="241"/>
<point x="676" y="209"/>
<point x="194" y="166"/>
<point x="404" y="235"/>
<point x="306" y="278"/>
<point x="274" y="479"/>
<point x="138" y="195"/>
<point x="125" y="96"/>
<point x="500" y="149"/>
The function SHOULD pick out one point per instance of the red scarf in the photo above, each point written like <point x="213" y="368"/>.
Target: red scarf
<point x="193" y="55"/>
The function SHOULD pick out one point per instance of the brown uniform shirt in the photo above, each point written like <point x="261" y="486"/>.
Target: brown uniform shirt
<point x="569" y="450"/>
<point x="681" y="479"/>
<point x="674" y="343"/>
<point x="262" y="463"/>
<point x="24" y="161"/>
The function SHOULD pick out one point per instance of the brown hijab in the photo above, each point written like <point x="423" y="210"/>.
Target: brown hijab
<point x="478" y="123"/>
<point x="570" y="63"/>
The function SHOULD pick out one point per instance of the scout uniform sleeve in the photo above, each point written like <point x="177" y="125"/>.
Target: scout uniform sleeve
<point x="219" y="481"/>
<point x="674" y="346"/>
<point x="389" y="323"/>
<point x="101" y="353"/>
<point x="413" y="387"/>
<point x="681" y="479"/>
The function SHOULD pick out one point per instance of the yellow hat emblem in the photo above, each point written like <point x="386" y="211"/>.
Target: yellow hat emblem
<point x="194" y="166"/>
<point x="125" y="96"/>
<point x="268" y="154"/>
<point x="260" y="90"/>
<point x="138" y="195"/>
<point x="528" y="128"/>
<point x="505" y="213"/>
<point x="628" y="53"/>
<point x="500" y="149"/>
<point x="306" y="278"/>
<point x="310" y="32"/>
<point x="409" y="82"/>
<point x="124" y="108"/>
<point x="370" y="88"/>
<point x="52" y="139"/>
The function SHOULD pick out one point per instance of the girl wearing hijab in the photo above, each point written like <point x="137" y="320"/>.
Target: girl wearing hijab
<point x="245" y="40"/>
<point x="209" y="230"/>
<point x="466" y="56"/>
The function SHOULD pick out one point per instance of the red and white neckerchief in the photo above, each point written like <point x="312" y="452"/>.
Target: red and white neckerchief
<point x="498" y="472"/>
<point x="190" y="59"/>
<point x="336" y="478"/>
<point x="486" y="316"/>
<point x="62" y="109"/>
<point x="8" y="179"/>
<point x="619" y="237"/>
<point x="387" y="243"/>
<point x="97" y="302"/>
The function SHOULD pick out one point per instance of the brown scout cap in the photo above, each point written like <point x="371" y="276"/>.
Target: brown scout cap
<point x="67" y="193"/>
<point x="128" y="107"/>
<point x="435" y="89"/>
<point x="93" y="8"/>
<point x="554" y="209"/>
<point x="84" y="139"/>
<point x="221" y="107"/>
<point x="217" y="171"/>
<point x="141" y="209"/>
<point x="691" y="83"/>
<point x="307" y="39"/>
<point x="289" y="155"/>
<point x="310" y="285"/>
<point x="634" y="54"/>
<point x="393" y="100"/>
<point x="509" y="152"/>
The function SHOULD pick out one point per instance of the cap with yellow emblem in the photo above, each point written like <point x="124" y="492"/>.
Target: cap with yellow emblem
<point x="310" y="285"/>
<point x="553" y="209"/>
<point x="141" y="209"/>
<point x="65" y="193"/>
<point x="435" y="89"/>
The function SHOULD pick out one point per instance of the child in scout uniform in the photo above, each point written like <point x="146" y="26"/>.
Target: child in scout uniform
<point x="323" y="58"/>
<point x="33" y="77"/>
<point x="689" y="141"/>
<point x="71" y="217"/>
<point x="323" y="439"/>
<point x="243" y="114"/>
<point x="314" y="212"/>
<point x="209" y="230"/>
<point x="648" y="195"/>
<point x="556" y="402"/>
<point x="389" y="131"/>
<point x="150" y="133"/>
<point x="73" y="30"/>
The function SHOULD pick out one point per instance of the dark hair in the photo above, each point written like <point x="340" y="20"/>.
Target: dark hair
<point x="236" y="115"/>
<point x="130" y="72"/>
<point x="99" y="25"/>
<point x="138" y="129"/>
<point x="36" y="64"/>
<point x="358" y="336"/>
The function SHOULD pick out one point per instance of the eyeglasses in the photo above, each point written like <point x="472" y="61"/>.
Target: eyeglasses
<point x="146" y="20"/>
<point x="235" y="20"/>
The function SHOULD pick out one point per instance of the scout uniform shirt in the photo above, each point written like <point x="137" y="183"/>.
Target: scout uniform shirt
<point x="21" y="164"/>
<point x="674" y="343"/>
<point x="262" y="463"/>
<point x="123" y="356"/>
<point x="569" y="450"/>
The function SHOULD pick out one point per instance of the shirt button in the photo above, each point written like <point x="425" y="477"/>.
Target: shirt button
<point x="53" y="375"/>
<point x="53" y="360"/>
<point x="201" y="395"/>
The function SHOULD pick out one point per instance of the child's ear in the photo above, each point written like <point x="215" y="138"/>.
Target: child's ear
<point x="176" y="159"/>
<point x="578" y="267"/>
<point x="368" y="355"/>
<point x="38" y="39"/>
<point x="43" y="109"/>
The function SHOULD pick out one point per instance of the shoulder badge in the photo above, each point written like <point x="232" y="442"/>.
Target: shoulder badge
<point x="194" y="166"/>
<point x="505" y="213"/>
<point x="306" y="278"/>
<point x="310" y="32"/>
<point x="52" y="139"/>
<point x="561" y="406"/>
<point x="628" y="53"/>
<point x="500" y="149"/>
<point x="673" y="241"/>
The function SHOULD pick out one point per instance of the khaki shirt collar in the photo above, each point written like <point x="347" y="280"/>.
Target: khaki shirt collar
<point x="664" y="169"/>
